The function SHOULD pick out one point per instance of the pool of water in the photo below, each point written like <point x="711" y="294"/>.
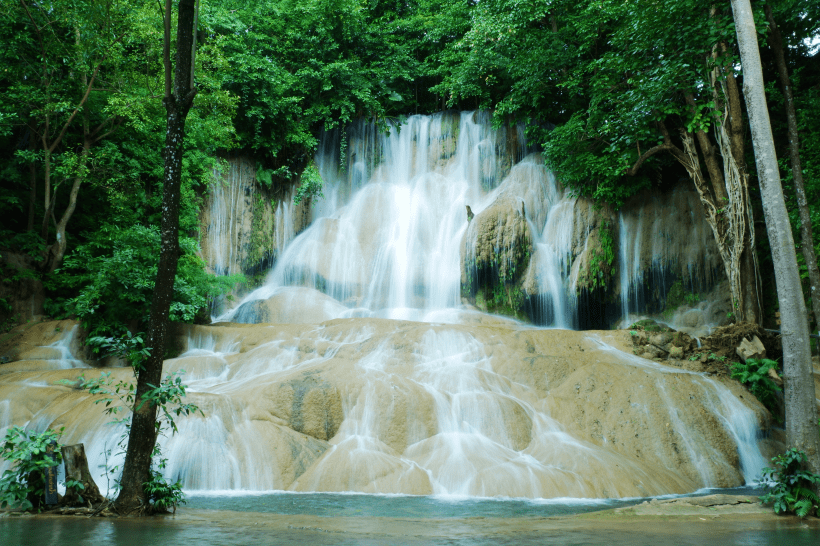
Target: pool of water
<point x="347" y="519"/>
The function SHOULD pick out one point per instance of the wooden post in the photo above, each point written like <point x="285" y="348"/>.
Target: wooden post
<point x="50" y="477"/>
<point x="76" y="470"/>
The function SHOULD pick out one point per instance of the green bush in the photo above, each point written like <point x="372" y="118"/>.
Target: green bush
<point x="755" y="375"/>
<point x="114" y="275"/>
<point x="790" y="487"/>
<point x="310" y="186"/>
<point x="27" y="452"/>
<point x="162" y="494"/>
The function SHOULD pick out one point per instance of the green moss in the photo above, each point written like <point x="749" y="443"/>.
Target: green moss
<point x="647" y="325"/>
<point x="601" y="261"/>
<point x="677" y="296"/>
<point x="262" y="232"/>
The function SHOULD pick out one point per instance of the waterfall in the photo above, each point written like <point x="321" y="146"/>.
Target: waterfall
<point x="386" y="239"/>
<point x="661" y="242"/>
<point x="369" y="367"/>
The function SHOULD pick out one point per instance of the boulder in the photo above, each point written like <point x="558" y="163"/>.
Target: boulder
<point x="751" y="349"/>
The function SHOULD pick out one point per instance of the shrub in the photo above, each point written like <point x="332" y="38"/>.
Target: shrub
<point x="790" y="487"/>
<point x="27" y="452"/>
<point x="755" y="375"/>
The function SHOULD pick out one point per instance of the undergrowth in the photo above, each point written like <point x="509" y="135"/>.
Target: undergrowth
<point x="791" y="489"/>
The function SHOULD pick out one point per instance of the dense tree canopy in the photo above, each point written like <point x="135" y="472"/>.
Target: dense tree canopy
<point x="613" y="91"/>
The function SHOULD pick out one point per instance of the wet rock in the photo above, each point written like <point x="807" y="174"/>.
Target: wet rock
<point x="651" y="351"/>
<point x="388" y="406"/>
<point x="693" y="318"/>
<point x="500" y="240"/>
<point x="294" y="305"/>
<point x="309" y="405"/>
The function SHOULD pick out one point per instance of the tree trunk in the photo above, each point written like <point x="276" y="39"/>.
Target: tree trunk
<point x="801" y="409"/>
<point x="143" y="434"/>
<point x="76" y="469"/>
<point x="56" y="251"/>
<point x="730" y="218"/>
<point x="806" y="237"/>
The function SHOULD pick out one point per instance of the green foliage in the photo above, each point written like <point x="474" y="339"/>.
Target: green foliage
<point x="310" y="186"/>
<point x="300" y="67"/>
<point x="162" y="494"/>
<point x="603" y="257"/>
<point x="26" y="450"/>
<point x="130" y="348"/>
<point x="790" y="488"/>
<point x="114" y="273"/>
<point x="755" y="375"/>
<point x="678" y="296"/>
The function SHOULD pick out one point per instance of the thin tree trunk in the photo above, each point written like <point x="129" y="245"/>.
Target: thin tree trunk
<point x="143" y="434"/>
<point x="806" y="237"/>
<point x="801" y="409"/>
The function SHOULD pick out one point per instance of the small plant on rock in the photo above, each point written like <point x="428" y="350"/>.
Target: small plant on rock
<point x="790" y="487"/>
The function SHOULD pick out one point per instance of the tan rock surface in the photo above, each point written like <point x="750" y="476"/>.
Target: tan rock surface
<point x="388" y="406"/>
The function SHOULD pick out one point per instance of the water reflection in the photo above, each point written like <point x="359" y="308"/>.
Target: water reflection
<point x="187" y="529"/>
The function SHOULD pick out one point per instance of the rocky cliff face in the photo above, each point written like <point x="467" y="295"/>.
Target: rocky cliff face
<point x="245" y="225"/>
<point x="537" y="253"/>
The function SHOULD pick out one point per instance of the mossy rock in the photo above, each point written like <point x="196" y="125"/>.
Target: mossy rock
<point x="649" y="325"/>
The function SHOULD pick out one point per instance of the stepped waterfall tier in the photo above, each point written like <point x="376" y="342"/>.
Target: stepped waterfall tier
<point x="391" y="346"/>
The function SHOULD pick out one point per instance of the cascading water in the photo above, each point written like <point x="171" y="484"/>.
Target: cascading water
<point x="386" y="238"/>
<point x="663" y="241"/>
<point x="330" y="395"/>
<point x="238" y="220"/>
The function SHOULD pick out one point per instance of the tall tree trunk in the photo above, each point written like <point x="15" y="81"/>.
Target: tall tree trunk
<point x="806" y="237"/>
<point x="143" y="434"/>
<point x="750" y="278"/>
<point x="801" y="409"/>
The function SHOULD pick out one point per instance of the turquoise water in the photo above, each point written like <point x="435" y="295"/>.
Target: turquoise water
<point x="342" y="519"/>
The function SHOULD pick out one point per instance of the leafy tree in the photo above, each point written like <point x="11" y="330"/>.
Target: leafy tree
<point x="64" y="70"/>
<point x="798" y="20"/>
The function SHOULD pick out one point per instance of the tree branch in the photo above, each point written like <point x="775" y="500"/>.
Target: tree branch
<point x="59" y="138"/>
<point x="646" y="155"/>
